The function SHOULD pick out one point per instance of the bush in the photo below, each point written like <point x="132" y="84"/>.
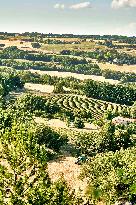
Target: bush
<point x="112" y="175"/>
<point x="51" y="139"/>
<point x="109" y="138"/>
<point x="36" y="105"/>
<point x="36" y="45"/>
<point x="78" y="123"/>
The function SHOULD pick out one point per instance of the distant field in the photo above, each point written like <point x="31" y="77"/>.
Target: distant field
<point x="124" y="68"/>
<point x="65" y="39"/>
<point x="86" y="46"/>
<point x="16" y="43"/>
<point x="56" y="48"/>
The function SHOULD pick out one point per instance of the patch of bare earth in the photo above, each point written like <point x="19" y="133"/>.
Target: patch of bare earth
<point x="16" y="43"/>
<point x="39" y="87"/>
<point x="123" y="68"/>
<point x="64" y="166"/>
<point x="67" y="168"/>
<point x="56" y="123"/>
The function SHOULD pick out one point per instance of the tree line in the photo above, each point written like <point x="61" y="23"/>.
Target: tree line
<point x="121" y="94"/>
<point x="110" y="56"/>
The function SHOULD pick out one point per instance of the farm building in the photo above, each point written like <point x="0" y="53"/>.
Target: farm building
<point x="122" y="120"/>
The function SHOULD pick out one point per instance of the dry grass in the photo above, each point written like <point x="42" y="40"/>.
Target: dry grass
<point x="57" y="124"/>
<point x="124" y="68"/>
<point x="64" y="166"/>
<point x="16" y="43"/>
<point x="67" y="168"/>
<point x="75" y="75"/>
<point x="39" y="87"/>
<point x="84" y="46"/>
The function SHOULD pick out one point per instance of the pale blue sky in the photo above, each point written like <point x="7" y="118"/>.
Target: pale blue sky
<point x="59" y="16"/>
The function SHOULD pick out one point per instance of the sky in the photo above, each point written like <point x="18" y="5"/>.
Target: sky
<point x="69" y="16"/>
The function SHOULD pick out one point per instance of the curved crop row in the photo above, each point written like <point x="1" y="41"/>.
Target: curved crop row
<point x="97" y="107"/>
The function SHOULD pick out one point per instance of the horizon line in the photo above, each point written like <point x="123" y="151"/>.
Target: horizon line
<point x="74" y="34"/>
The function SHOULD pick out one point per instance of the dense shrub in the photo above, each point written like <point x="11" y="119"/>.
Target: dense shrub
<point x="108" y="92"/>
<point x="112" y="175"/>
<point x="35" y="105"/>
<point x="111" y="56"/>
<point x="36" y="45"/>
<point x="50" y="138"/>
<point x="9" y="82"/>
<point x="109" y="138"/>
<point x="78" y="123"/>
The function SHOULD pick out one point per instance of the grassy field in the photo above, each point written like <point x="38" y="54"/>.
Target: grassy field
<point x="85" y="46"/>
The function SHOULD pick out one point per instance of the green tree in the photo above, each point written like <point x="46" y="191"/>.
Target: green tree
<point x="36" y="45"/>
<point x="111" y="175"/>
<point x="58" y="88"/>
<point x="78" y="123"/>
<point x="133" y="110"/>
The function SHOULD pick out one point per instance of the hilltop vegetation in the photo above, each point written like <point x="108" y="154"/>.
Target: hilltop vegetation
<point x="27" y="145"/>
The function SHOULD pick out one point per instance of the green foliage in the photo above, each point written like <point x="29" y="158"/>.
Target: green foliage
<point x="62" y="194"/>
<point x="112" y="93"/>
<point x="23" y="175"/>
<point x="67" y="65"/>
<point x="87" y="108"/>
<point x="133" y="111"/>
<point x="9" y="81"/>
<point x="50" y="138"/>
<point x="24" y="151"/>
<point x="5" y="119"/>
<point x="118" y="75"/>
<point x="36" y="45"/>
<point x="58" y="88"/>
<point x="35" y="105"/>
<point x="111" y="56"/>
<point x="78" y="123"/>
<point x="111" y="175"/>
<point x="14" y="53"/>
<point x="108" y="138"/>
<point x="1" y="90"/>
<point x="25" y="147"/>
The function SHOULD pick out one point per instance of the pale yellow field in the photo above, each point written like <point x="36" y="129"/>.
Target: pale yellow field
<point x="75" y="75"/>
<point x="56" y="123"/>
<point x="39" y="87"/>
<point x="16" y="43"/>
<point x="124" y="68"/>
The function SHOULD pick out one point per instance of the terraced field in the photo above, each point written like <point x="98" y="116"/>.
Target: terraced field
<point x="97" y="107"/>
